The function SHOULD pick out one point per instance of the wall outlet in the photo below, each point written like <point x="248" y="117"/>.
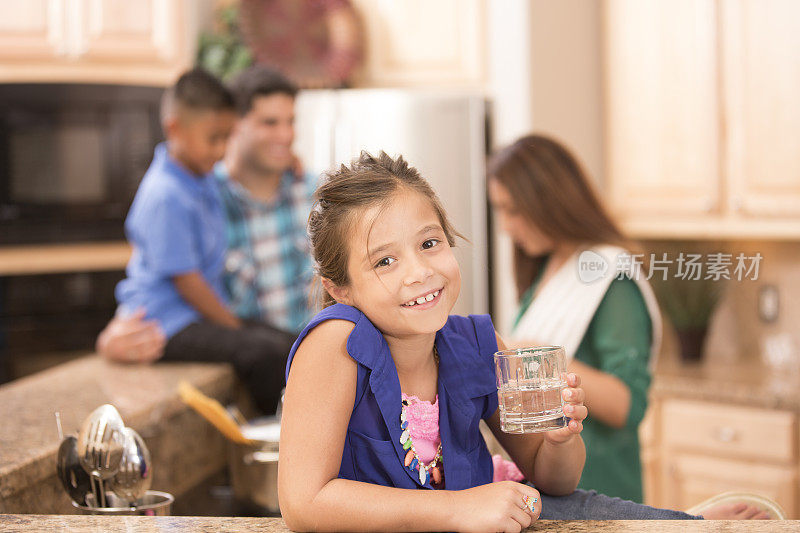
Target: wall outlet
<point x="768" y="303"/>
<point x="779" y="351"/>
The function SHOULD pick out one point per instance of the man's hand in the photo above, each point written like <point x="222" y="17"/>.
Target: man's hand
<point x="297" y="166"/>
<point x="131" y="339"/>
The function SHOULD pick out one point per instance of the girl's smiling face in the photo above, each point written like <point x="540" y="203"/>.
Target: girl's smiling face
<point x="403" y="274"/>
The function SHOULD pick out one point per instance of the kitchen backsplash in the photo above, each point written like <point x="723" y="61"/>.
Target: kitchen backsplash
<point x="737" y="332"/>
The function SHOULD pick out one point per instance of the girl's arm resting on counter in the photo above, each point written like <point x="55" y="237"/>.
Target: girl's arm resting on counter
<point x="558" y="466"/>
<point x="345" y="505"/>
<point x="554" y="469"/>
<point x="320" y="393"/>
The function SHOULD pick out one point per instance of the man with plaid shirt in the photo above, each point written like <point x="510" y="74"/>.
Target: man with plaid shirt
<point x="268" y="267"/>
<point x="268" y="264"/>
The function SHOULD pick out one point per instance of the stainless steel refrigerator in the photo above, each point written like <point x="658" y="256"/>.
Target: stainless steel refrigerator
<point x="441" y="133"/>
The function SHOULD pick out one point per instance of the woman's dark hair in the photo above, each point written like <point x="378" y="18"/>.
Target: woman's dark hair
<point x="340" y="202"/>
<point x="551" y="190"/>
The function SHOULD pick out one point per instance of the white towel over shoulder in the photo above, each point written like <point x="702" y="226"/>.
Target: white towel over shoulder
<point x="562" y="310"/>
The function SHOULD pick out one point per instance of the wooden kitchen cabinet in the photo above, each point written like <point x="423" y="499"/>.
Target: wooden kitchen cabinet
<point x="693" y="450"/>
<point x="422" y="43"/>
<point x="663" y="143"/>
<point x="31" y="31"/>
<point x="112" y="30"/>
<point x="690" y="479"/>
<point x="146" y="42"/>
<point x="761" y="60"/>
<point x="701" y="117"/>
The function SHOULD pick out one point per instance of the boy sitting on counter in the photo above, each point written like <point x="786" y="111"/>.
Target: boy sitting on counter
<point x="176" y="226"/>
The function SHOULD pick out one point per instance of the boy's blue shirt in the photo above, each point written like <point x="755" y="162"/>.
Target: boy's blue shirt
<point x="176" y="225"/>
<point x="467" y="393"/>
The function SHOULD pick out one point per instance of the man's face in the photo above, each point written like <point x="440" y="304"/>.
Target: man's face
<point x="265" y="134"/>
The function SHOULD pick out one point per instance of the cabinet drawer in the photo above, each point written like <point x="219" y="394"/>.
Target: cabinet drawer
<point x="726" y="430"/>
<point x="693" y="478"/>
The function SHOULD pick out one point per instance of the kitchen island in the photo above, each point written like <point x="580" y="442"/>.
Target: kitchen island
<point x="134" y="524"/>
<point x="186" y="450"/>
<point x="720" y="425"/>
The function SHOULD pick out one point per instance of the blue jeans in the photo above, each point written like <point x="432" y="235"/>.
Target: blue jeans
<point x="589" y="505"/>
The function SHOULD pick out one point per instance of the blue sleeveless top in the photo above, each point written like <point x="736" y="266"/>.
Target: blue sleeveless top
<point x="467" y="393"/>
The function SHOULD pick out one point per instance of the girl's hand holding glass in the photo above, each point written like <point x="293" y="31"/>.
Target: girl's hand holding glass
<point x="574" y="410"/>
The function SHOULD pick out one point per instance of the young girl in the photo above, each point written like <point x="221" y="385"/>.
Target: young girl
<point x="387" y="354"/>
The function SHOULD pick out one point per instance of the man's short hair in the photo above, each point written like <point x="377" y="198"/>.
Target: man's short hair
<point x="259" y="80"/>
<point x="196" y="90"/>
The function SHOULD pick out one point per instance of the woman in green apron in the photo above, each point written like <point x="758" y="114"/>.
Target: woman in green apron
<point x="578" y="286"/>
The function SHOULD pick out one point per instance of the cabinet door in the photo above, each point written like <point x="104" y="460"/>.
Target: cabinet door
<point x="662" y="107"/>
<point x="690" y="479"/>
<point x="761" y="47"/>
<point x="31" y="30"/>
<point x="418" y="42"/>
<point x="121" y="30"/>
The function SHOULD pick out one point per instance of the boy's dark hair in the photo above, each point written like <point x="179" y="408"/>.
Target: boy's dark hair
<point x="196" y="90"/>
<point x="259" y="80"/>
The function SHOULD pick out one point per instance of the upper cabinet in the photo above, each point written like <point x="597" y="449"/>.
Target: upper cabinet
<point x="423" y="43"/>
<point x="663" y="149"/>
<point x="761" y="45"/>
<point x="701" y="118"/>
<point x="146" y="42"/>
<point x="30" y="31"/>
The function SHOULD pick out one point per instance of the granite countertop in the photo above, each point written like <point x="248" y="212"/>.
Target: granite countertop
<point x="146" y="397"/>
<point x="742" y="382"/>
<point x="136" y="524"/>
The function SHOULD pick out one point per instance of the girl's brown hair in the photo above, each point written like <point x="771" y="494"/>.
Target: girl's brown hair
<point x="342" y="198"/>
<point x="552" y="192"/>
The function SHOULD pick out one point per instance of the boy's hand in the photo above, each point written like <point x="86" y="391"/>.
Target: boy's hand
<point x="131" y="339"/>
<point x="194" y="288"/>
<point x="574" y="410"/>
<point x="496" y="507"/>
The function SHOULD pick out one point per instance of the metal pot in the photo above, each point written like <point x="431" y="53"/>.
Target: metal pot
<point x="254" y="468"/>
<point x="153" y="503"/>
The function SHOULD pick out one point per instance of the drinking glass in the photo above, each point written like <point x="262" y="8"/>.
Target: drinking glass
<point x="529" y="385"/>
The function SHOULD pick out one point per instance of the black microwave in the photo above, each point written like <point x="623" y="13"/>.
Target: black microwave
<point x="71" y="158"/>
